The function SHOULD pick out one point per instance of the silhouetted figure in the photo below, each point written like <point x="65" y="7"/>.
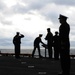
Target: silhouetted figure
<point x="17" y="42"/>
<point x="56" y="45"/>
<point x="46" y="47"/>
<point x="64" y="30"/>
<point x="49" y="38"/>
<point x="37" y="42"/>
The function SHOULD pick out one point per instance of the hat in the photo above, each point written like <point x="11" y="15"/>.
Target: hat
<point x="56" y="32"/>
<point x="62" y="17"/>
<point x="40" y="35"/>
<point x="17" y="32"/>
<point x="48" y="29"/>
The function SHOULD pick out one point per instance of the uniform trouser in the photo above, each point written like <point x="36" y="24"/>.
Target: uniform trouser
<point x="56" y="53"/>
<point x="34" y="51"/>
<point x="17" y="50"/>
<point x="50" y="51"/>
<point x="65" y="61"/>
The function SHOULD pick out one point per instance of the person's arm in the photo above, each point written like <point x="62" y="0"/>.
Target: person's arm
<point x="42" y="42"/>
<point x="46" y="38"/>
<point x="13" y="40"/>
<point x="21" y="35"/>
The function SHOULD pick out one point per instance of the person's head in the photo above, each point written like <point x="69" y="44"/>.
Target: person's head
<point x="17" y="33"/>
<point x="40" y="35"/>
<point x="62" y="18"/>
<point x="56" y="33"/>
<point x="48" y="29"/>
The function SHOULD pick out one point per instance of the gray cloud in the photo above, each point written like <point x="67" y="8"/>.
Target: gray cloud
<point x="72" y="43"/>
<point x="5" y="22"/>
<point x="19" y="9"/>
<point x="44" y="7"/>
<point x="5" y="41"/>
<point x="8" y="41"/>
<point x="37" y="4"/>
<point x="2" y="6"/>
<point x="64" y="2"/>
<point x="34" y="5"/>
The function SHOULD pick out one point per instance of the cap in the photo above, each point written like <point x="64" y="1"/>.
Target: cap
<point x="56" y="32"/>
<point x="48" y="29"/>
<point x="40" y="35"/>
<point x="17" y="32"/>
<point x="62" y="17"/>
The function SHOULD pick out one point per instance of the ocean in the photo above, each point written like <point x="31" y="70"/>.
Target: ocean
<point x="72" y="51"/>
<point x="27" y="51"/>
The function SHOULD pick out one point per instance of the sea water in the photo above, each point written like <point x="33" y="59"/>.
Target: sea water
<point x="29" y="51"/>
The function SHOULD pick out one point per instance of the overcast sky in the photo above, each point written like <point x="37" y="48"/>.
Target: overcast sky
<point x="31" y="17"/>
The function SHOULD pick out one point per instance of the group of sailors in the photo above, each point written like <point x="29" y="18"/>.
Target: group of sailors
<point x="60" y="43"/>
<point x="52" y="41"/>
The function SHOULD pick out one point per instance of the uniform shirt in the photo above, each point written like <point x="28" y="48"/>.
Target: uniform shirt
<point x="64" y="30"/>
<point x="37" y="41"/>
<point x="49" y="37"/>
<point x="17" y="39"/>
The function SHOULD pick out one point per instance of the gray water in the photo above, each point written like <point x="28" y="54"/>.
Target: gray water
<point x="72" y="51"/>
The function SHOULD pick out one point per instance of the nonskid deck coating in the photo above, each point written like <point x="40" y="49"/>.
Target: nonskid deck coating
<point x="31" y="66"/>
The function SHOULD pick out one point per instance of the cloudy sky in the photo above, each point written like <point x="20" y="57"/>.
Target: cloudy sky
<point x="31" y="17"/>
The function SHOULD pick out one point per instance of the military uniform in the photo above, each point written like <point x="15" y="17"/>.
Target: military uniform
<point x="64" y="30"/>
<point x="49" y="38"/>
<point x="37" y="42"/>
<point x="56" y="45"/>
<point x="17" y="42"/>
